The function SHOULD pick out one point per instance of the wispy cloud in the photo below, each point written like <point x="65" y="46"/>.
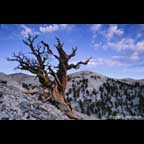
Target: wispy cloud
<point x="127" y="44"/>
<point x="26" y="31"/>
<point x="105" y="62"/>
<point x="112" y="31"/>
<point x="95" y="27"/>
<point x="53" y="27"/>
<point x="107" y="33"/>
<point x="134" y="57"/>
<point x="122" y="44"/>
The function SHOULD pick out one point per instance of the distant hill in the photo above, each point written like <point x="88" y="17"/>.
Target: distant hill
<point x="24" y="78"/>
<point x="133" y="81"/>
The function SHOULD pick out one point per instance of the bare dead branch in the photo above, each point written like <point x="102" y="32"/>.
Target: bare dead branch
<point x="73" y="53"/>
<point x="59" y="47"/>
<point x="77" y="65"/>
<point x="49" y="51"/>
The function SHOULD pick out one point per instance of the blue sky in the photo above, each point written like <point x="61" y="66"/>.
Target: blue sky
<point x="117" y="50"/>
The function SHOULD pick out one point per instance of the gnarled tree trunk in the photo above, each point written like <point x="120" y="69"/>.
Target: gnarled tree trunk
<point x="54" y="90"/>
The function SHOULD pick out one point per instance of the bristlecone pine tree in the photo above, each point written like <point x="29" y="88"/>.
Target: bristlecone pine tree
<point x="53" y="89"/>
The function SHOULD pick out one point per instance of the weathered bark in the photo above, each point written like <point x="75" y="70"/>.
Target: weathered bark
<point x="56" y="96"/>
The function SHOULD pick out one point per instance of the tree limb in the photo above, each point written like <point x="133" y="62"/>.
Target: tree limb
<point x="49" y="51"/>
<point x="77" y="65"/>
<point x="73" y="53"/>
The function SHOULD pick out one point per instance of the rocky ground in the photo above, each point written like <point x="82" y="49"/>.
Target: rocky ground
<point x="106" y="98"/>
<point x="15" y="105"/>
<point x="92" y="95"/>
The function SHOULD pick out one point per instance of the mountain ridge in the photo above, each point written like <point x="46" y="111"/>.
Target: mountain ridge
<point x="80" y="72"/>
<point x="92" y="94"/>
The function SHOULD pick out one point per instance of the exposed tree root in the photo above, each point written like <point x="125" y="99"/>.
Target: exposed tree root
<point x="64" y="107"/>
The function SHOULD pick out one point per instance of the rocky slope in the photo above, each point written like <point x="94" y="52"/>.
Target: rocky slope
<point x="103" y="97"/>
<point x="93" y="95"/>
<point x="15" y="105"/>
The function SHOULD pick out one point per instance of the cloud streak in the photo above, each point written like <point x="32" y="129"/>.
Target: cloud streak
<point x="53" y="28"/>
<point x="105" y="62"/>
<point x="26" y="31"/>
<point x="95" y="27"/>
<point x="112" y="31"/>
<point x="134" y="57"/>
